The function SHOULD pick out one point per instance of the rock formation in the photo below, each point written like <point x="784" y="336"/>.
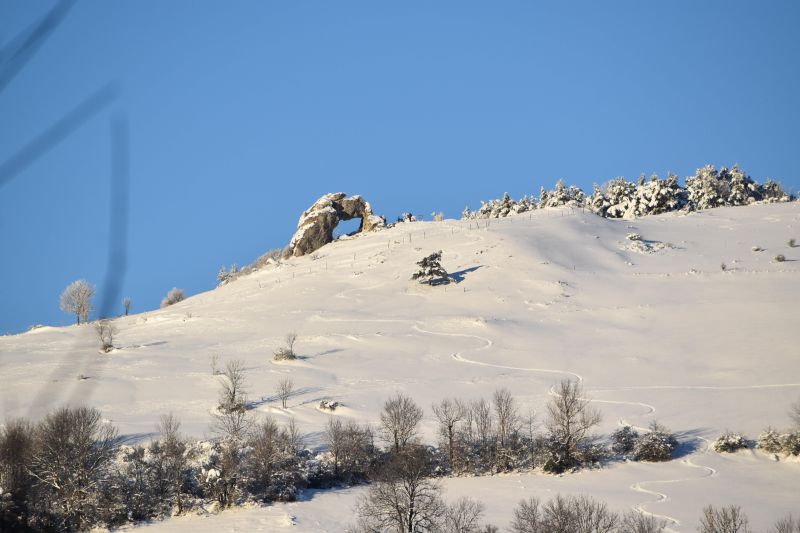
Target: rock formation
<point x="316" y="225"/>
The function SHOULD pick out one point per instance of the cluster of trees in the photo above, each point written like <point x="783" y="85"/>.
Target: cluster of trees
<point x="620" y="198"/>
<point x="69" y="472"/>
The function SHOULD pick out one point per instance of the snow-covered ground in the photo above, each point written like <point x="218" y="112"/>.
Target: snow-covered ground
<point x="654" y="329"/>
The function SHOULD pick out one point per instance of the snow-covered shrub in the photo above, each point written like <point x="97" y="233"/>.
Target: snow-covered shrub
<point x="790" y="443"/>
<point x="431" y="271"/>
<point x="406" y="217"/>
<point x="656" y="445"/>
<point x="769" y="441"/>
<point x="706" y="190"/>
<point x="328" y="405"/>
<point x="623" y="440"/>
<point x="173" y="296"/>
<point x="729" y="442"/>
<point x="614" y="199"/>
<point x="780" y="258"/>
<point x="226" y="276"/>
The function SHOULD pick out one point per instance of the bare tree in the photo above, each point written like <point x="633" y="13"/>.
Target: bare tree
<point x="729" y="519"/>
<point x="463" y="516"/>
<point x="172" y="451"/>
<point x="449" y="413"/>
<point x="506" y="411"/>
<point x="399" y="421"/>
<point x="105" y="333"/>
<point x="570" y="418"/>
<point x="404" y="499"/>
<point x="635" y="522"/>
<point x="72" y="449"/>
<point x="349" y="444"/>
<point x="126" y="305"/>
<point x="77" y="299"/>
<point x="214" y="364"/>
<point x="232" y="394"/>
<point x="286" y="352"/>
<point x="482" y="413"/>
<point x="268" y="446"/>
<point x="794" y="413"/>
<point x="786" y="525"/>
<point x="284" y="390"/>
<point x="564" y="514"/>
<point x="16" y="447"/>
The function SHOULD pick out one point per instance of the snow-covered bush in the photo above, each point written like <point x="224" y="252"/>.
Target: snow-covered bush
<point x="769" y="441"/>
<point x="226" y="276"/>
<point x="780" y="258"/>
<point x="656" y="445"/>
<point x="790" y="443"/>
<point x="771" y="191"/>
<point x="173" y="296"/>
<point x="706" y="190"/>
<point x="431" y="271"/>
<point x="406" y="217"/>
<point x="623" y="440"/>
<point x="729" y="442"/>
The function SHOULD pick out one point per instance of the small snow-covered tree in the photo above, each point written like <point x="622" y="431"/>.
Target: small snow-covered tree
<point x="431" y="270"/>
<point x="771" y="191"/>
<point x="570" y="419"/>
<point x="77" y="299"/>
<point x="706" y="190"/>
<point x="729" y="442"/>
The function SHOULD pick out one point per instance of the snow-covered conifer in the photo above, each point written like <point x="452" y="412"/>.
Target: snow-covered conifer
<point x="431" y="270"/>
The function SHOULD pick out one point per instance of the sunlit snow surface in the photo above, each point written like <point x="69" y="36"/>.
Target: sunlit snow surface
<point x="654" y="332"/>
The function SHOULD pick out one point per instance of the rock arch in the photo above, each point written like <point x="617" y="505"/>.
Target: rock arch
<point x="316" y="225"/>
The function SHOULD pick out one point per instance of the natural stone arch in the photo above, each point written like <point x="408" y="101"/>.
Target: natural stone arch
<point x="316" y="225"/>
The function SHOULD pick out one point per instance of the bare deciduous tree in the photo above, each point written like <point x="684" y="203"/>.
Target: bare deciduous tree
<point x="286" y="352"/>
<point x="105" y="330"/>
<point x="349" y="445"/>
<point x="77" y="299"/>
<point x="399" y="420"/>
<point x="482" y="414"/>
<point x="635" y="522"/>
<point x="73" y="447"/>
<point x="794" y="413"/>
<point x="570" y="418"/>
<point x="16" y="447"/>
<point x="463" y="516"/>
<point x="232" y="394"/>
<point x="786" y="525"/>
<point x="404" y="499"/>
<point x="126" y="305"/>
<point x="506" y="412"/>
<point x="172" y="450"/>
<point x="729" y="519"/>
<point x="564" y="514"/>
<point x="449" y="413"/>
<point x="284" y="390"/>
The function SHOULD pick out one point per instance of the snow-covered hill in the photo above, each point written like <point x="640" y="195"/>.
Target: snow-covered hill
<point x="655" y="329"/>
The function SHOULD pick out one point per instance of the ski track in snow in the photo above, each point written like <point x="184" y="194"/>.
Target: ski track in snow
<point x="650" y="410"/>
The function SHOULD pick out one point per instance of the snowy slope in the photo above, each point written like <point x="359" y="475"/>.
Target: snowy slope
<point x="656" y="330"/>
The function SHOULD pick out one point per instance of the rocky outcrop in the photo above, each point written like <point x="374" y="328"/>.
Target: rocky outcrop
<point x="316" y="225"/>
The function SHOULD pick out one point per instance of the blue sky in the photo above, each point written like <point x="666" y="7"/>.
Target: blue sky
<point x="242" y="113"/>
